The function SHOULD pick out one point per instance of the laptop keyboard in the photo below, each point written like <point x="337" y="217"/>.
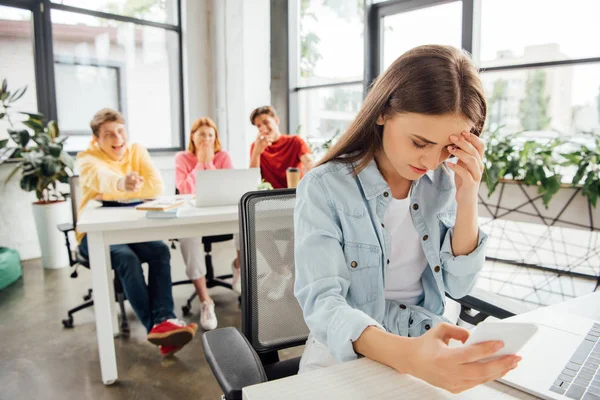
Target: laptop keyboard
<point x="580" y="379"/>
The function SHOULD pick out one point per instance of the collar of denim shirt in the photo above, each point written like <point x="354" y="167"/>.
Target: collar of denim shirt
<point x="374" y="184"/>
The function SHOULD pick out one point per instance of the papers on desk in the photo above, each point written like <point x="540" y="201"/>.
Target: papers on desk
<point x="162" y="208"/>
<point x="162" y="205"/>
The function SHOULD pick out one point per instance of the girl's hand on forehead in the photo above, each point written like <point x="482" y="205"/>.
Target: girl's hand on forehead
<point x="469" y="150"/>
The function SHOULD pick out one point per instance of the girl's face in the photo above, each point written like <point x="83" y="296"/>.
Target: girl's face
<point x="417" y="143"/>
<point x="204" y="136"/>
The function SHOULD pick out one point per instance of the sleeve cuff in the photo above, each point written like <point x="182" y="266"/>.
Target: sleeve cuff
<point x="466" y="264"/>
<point x="345" y="329"/>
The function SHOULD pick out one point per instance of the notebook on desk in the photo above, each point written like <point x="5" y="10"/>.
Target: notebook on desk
<point x="163" y="204"/>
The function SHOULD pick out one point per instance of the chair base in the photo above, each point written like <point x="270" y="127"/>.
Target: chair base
<point x="68" y="323"/>
<point x="216" y="281"/>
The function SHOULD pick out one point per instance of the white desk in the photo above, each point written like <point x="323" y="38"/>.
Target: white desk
<point x="367" y="379"/>
<point x="106" y="226"/>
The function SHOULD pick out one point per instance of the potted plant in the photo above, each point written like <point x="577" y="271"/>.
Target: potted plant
<point x="43" y="166"/>
<point x="524" y="181"/>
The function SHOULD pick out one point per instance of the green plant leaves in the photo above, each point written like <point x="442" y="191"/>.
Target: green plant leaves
<point x="43" y="140"/>
<point x="67" y="160"/>
<point x="20" y="137"/>
<point x="537" y="164"/>
<point x="50" y="166"/>
<point x="43" y="162"/>
<point x="29" y="183"/>
<point x="55" y="149"/>
<point x="34" y="123"/>
<point x="52" y="129"/>
<point x="18" y="94"/>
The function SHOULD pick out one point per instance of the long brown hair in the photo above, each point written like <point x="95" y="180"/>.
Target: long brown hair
<point x="203" y="121"/>
<point x="431" y="80"/>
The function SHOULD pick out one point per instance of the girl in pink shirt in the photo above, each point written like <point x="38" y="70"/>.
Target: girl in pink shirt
<point x="204" y="152"/>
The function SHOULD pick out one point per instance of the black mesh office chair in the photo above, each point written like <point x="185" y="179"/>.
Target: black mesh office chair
<point x="76" y="259"/>
<point x="251" y="357"/>
<point x="211" y="279"/>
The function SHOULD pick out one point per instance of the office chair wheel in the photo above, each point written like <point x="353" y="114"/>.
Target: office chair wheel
<point x="88" y="296"/>
<point x="68" y="323"/>
<point x="186" y="310"/>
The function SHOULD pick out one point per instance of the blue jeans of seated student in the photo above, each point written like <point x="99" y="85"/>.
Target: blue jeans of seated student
<point x="152" y="304"/>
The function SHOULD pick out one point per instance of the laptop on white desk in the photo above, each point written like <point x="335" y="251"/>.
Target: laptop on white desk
<point x="561" y="361"/>
<point x="224" y="187"/>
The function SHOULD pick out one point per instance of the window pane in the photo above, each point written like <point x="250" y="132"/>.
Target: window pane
<point x="17" y="65"/>
<point x="538" y="30"/>
<point x="440" y="24"/>
<point x="563" y="99"/>
<point x="324" y="56"/>
<point x="325" y="111"/>
<point x="100" y="63"/>
<point x="163" y="11"/>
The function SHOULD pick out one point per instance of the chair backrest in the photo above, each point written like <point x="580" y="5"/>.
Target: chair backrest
<point x="267" y="245"/>
<point x="75" y="197"/>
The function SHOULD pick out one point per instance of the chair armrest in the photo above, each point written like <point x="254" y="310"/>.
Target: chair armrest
<point x="64" y="228"/>
<point x="233" y="361"/>
<point x="487" y="304"/>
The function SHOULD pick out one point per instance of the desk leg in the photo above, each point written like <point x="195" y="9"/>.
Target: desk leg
<point x="113" y="301"/>
<point x="101" y="271"/>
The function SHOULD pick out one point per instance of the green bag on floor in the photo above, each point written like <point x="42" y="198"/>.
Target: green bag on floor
<point x="10" y="266"/>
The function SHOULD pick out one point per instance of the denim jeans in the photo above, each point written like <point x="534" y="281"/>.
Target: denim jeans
<point x="152" y="304"/>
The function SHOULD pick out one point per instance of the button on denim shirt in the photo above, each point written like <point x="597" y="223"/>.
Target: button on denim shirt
<point x="342" y="251"/>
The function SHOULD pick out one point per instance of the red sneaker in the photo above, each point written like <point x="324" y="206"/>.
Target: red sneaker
<point x="172" y="332"/>
<point x="167" y="351"/>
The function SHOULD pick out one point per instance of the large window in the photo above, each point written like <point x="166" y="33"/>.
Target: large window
<point x="17" y="55"/>
<point x="542" y="76"/>
<point x="539" y="59"/>
<point x="326" y="82"/>
<point x="438" y="24"/>
<point x="123" y="54"/>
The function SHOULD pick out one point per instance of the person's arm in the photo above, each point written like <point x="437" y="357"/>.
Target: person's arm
<point x="429" y="358"/>
<point x="95" y="175"/>
<point x="225" y="161"/>
<point x="305" y="155"/>
<point x="307" y="162"/>
<point x="254" y="157"/>
<point x="259" y="145"/>
<point x="185" y="177"/>
<point x="463" y="248"/>
<point x="153" y="184"/>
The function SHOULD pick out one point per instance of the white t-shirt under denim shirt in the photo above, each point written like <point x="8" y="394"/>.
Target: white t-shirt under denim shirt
<point x="403" y="276"/>
<point x="407" y="260"/>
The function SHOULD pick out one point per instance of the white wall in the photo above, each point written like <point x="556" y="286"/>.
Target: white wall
<point x="226" y="75"/>
<point x="242" y="47"/>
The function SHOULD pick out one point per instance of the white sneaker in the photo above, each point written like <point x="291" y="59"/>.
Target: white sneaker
<point x="278" y="285"/>
<point x="236" y="281"/>
<point x="208" y="319"/>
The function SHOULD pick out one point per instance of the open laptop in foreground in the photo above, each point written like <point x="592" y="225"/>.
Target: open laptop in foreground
<point x="562" y="360"/>
<point x="225" y="187"/>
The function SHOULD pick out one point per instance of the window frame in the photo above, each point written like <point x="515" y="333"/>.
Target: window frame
<point x="44" y="58"/>
<point x="373" y="41"/>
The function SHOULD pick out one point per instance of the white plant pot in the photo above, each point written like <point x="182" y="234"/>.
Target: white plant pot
<point x="52" y="241"/>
